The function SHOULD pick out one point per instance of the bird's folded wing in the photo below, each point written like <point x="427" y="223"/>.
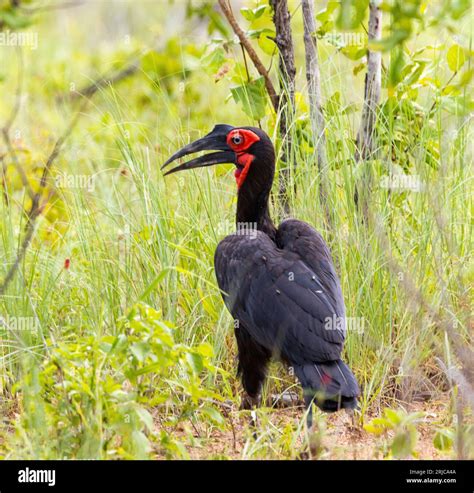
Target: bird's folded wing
<point x="279" y="299"/>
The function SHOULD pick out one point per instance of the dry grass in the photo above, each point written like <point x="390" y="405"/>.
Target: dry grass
<point x="341" y="440"/>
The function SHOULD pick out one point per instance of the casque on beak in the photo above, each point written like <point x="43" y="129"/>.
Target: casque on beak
<point x="213" y="141"/>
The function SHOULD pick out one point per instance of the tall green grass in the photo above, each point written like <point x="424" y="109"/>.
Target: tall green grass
<point x="138" y="237"/>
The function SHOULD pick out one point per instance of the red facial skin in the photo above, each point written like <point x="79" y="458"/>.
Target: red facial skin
<point x="243" y="158"/>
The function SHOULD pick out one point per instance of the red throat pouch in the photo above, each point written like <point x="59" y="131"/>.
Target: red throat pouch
<point x="240" y="174"/>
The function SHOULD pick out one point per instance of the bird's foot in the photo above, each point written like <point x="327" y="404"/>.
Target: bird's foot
<point x="353" y="421"/>
<point x="249" y="402"/>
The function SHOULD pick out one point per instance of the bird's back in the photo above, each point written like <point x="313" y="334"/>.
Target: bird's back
<point x="286" y="300"/>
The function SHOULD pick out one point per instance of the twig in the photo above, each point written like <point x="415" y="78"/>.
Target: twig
<point x="58" y="6"/>
<point x="36" y="207"/>
<point x="105" y="80"/>
<point x="414" y="294"/>
<point x="6" y="133"/>
<point x="226" y="10"/>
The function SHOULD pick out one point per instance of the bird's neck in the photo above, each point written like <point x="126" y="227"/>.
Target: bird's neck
<point x="253" y="212"/>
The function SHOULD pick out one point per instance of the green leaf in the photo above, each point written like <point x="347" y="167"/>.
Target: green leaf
<point x="140" y="350"/>
<point x="247" y="13"/>
<point x="414" y="73"/>
<point x="456" y="57"/>
<point x="390" y="42"/>
<point x="252" y="14"/>
<point x="324" y="28"/>
<point x="352" y="13"/>
<point x="14" y="19"/>
<point x="213" y="414"/>
<point x="403" y="444"/>
<point x="141" y="445"/>
<point x="214" y="60"/>
<point x="145" y="417"/>
<point x="375" y="430"/>
<point x="195" y="361"/>
<point x="325" y="14"/>
<point x="466" y="78"/>
<point x="205" y="349"/>
<point x="392" y="416"/>
<point x="266" y="42"/>
<point x="396" y="67"/>
<point x="252" y="97"/>
<point x="333" y="104"/>
<point x="353" y="52"/>
<point x="377" y="426"/>
<point x="258" y="12"/>
<point x="443" y="439"/>
<point x="358" y="68"/>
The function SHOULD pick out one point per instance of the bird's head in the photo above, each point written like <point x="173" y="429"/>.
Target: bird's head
<point x="248" y="148"/>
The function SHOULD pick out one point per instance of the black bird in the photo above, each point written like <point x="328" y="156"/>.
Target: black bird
<point x="279" y="284"/>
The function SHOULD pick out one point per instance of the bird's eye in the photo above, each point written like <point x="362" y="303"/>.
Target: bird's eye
<point x="237" y="139"/>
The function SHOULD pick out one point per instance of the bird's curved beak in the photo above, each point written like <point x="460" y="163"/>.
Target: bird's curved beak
<point x="214" y="141"/>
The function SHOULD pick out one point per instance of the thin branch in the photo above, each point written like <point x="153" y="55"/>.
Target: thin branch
<point x="318" y="124"/>
<point x="6" y="133"/>
<point x="226" y="10"/>
<point x="36" y="207"/>
<point x="19" y="89"/>
<point x="57" y="6"/>
<point x="105" y="80"/>
<point x="416" y="298"/>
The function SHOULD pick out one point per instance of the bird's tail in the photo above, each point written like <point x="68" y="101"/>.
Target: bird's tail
<point x="331" y="386"/>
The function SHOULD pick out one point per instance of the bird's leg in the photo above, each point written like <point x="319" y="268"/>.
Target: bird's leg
<point x="308" y="400"/>
<point x="249" y="402"/>
<point x="253" y="362"/>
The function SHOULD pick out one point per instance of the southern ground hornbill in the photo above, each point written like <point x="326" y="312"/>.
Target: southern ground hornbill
<point x="279" y="284"/>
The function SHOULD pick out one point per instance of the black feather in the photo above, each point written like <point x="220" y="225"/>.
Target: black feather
<point x="284" y="292"/>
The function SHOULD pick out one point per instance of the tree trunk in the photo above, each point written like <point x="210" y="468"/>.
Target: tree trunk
<point x="315" y="103"/>
<point x="287" y="73"/>
<point x="373" y="82"/>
